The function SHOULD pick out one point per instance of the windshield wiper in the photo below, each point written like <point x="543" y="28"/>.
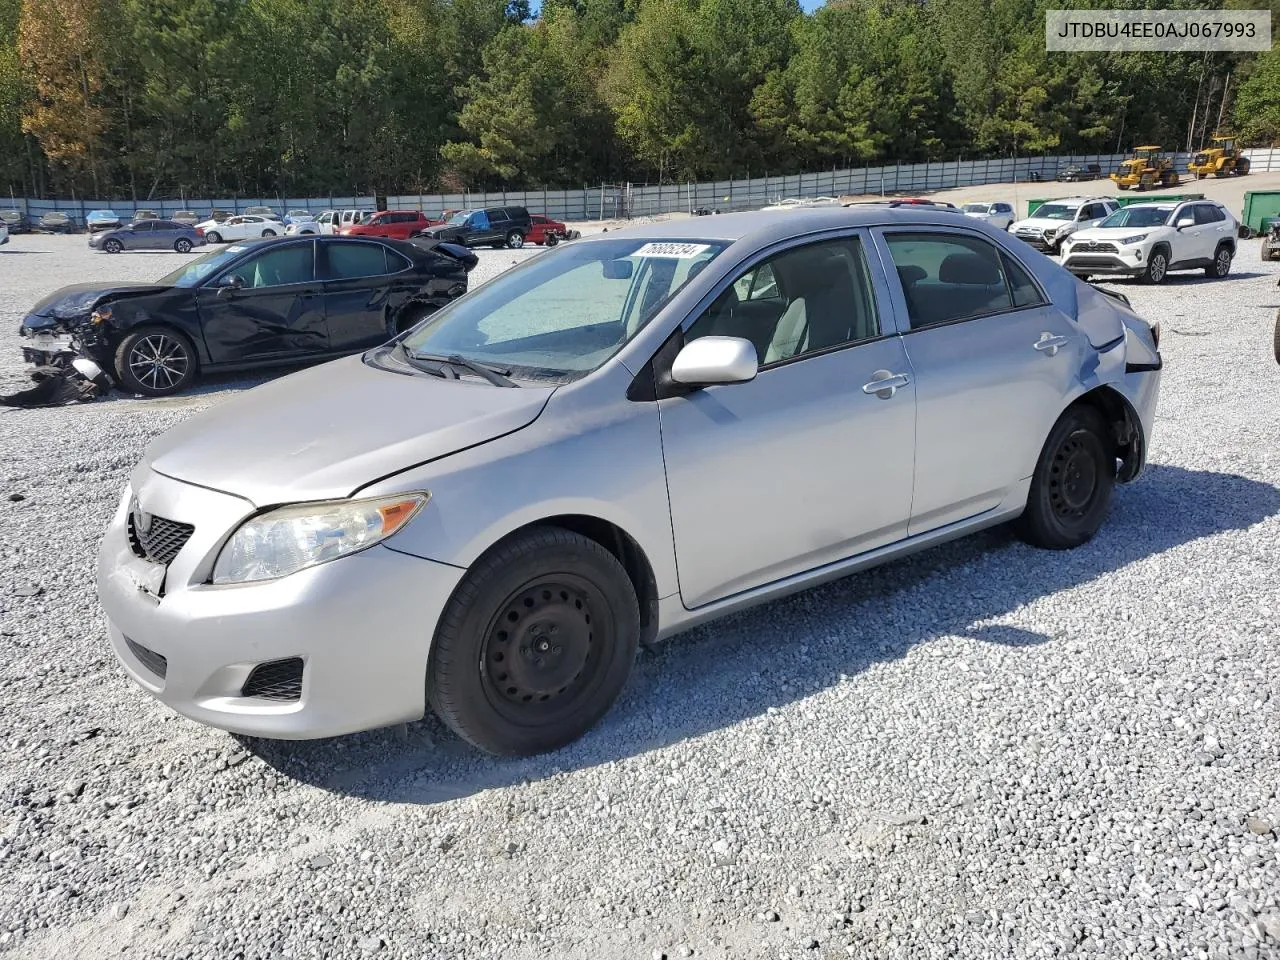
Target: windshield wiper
<point x="495" y="376"/>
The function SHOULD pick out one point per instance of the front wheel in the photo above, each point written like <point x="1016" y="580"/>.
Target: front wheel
<point x="515" y="239"/>
<point x="1157" y="267"/>
<point x="182" y="245"/>
<point x="155" y="361"/>
<point x="1221" y="265"/>
<point x="112" y="246"/>
<point x="535" y="644"/>
<point x="1072" y="484"/>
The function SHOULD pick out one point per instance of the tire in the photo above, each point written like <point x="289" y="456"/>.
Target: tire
<point x="1221" y="265"/>
<point x="1157" y="267"/>
<point x="182" y="245"/>
<point x="137" y="371"/>
<point x="495" y="665"/>
<point x="112" y="245"/>
<point x="268" y="233"/>
<point x="515" y="240"/>
<point x="552" y="240"/>
<point x="1242" y="168"/>
<point x="1276" y="340"/>
<point x="1122" y="186"/>
<point x="213" y="236"/>
<point x="1072" y="484"/>
<point x="412" y="315"/>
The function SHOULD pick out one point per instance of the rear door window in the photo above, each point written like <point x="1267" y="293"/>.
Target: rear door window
<point x="352" y="261"/>
<point x="948" y="277"/>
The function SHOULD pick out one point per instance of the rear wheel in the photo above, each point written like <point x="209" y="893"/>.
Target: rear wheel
<point x="112" y="245"/>
<point x="268" y="233"/>
<point x="182" y="245"/>
<point x="412" y="315"/>
<point x="515" y="239"/>
<point x="1221" y="265"/>
<point x="535" y="644"/>
<point x="552" y="240"/>
<point x="213" y="237"/>
<point x="1276" y="342"/>
<point x="155" y="361"/>
<point x="1072" y="484"/>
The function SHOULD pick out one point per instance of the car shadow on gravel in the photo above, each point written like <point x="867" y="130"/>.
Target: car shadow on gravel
<point x="730" y="671"/>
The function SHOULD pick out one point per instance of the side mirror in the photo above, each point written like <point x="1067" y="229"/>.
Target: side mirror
<point x="1184" y="222"/>
<point x="711" y="360"/>
<point x="230" y="283"/>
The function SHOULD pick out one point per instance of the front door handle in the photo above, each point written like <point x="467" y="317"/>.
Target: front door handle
<point x="885" y="383"/>
<point x="1050" y="344"/>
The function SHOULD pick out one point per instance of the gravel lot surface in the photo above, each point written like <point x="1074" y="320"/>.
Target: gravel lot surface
<point x="982" y="751"/>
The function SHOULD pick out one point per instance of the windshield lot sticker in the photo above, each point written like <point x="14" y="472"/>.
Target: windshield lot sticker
<point x="679" y="250"/>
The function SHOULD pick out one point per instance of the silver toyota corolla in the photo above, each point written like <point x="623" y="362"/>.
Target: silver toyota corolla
<point x="615" y="440"/>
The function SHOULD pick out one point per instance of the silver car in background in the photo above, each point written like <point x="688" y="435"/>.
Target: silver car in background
<point x="613" y="441"/>
<point x="148" y="234"/>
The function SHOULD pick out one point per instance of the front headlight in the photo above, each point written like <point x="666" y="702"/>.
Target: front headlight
<point x="1136" y="238"/>
<point x="284" y="541"/>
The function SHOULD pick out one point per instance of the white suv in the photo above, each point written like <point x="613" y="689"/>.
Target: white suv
<point x="1148" y="240"/>
<point x="1055" y="220"/>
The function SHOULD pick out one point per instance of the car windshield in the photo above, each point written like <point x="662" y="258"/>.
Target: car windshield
<point x="459" y="218"/>
<point x="1138" y="217"/>
<point x="192" y="272"/>
<point x="102" y="214"/>
<point x="977" y="208"/>
<point x="1055" y="211"/>
<point x="299" y="213"/>
<point x="561" y="315"/>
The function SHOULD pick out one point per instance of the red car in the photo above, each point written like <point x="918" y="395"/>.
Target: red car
<point x="547" y="232"/>
<point x="399" y="224"/>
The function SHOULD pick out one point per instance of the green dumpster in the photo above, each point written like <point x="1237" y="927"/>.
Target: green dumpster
<point x="1260" y="205"/>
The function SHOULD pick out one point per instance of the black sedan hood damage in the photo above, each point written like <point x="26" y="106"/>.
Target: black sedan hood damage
<point x="77" y="301"/>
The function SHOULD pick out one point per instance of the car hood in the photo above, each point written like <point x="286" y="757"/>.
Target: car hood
<point x="325" y="432"/>
<point x="1110" y="233"/>
<point x="75" y="301"/>
<point x="1041" y="223"/>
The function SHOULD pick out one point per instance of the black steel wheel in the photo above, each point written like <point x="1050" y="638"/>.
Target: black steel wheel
<point x="155" y="361"/>
<point x="1072" y="484"/>
<point x="1221" y="265"/>
<point x="182" y="245"/>
<point x="1157" y="267"/>
<point x="112" y="245"/>
<point x="536" y="643"/>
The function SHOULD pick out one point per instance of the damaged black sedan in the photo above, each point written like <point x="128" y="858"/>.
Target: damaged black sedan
<point x="254" y="304"/>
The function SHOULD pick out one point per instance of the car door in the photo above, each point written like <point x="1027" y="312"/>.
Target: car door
<point x="1003" y="217"/>
<point x="1188" y="236"/>
<point x="1214" y="227"/>
<point x="136" y="236"/>
<point x="480" y="229"/>
<point x="276" y="311"/>
<point x="810" y="462"/>
<point x="993" y="362"/>
<point x="358" y="291"/>
<point x="162" y="235"/>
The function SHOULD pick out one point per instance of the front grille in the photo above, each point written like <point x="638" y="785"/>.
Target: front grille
<point x="1093" y="261"/>
<point x="156" y="538"/>
<point x="1095" y="246"/>
<point x="148" y="658"/>
<point x="275" y="680"/>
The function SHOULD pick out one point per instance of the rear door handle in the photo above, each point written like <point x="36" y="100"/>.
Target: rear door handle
<point x="885" y="384"/>
<point x="1050" y="344"/>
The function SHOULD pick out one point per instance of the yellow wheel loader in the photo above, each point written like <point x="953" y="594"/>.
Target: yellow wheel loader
<point x="1146" y="169"/>
<point x="1220" y="159"/>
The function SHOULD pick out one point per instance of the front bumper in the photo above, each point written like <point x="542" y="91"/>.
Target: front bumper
<point x="362" y="625"/>
<point x="1110" y="264"/>
<point x="1037" y="240"/>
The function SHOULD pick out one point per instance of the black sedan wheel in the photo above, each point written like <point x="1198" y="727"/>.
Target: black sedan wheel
<point x="1071" y="487"/>
<point x="155" y="361"/>
<point x="536" y="643"/>
<point x="182" y="245"/>
<point x="112" y="245"/>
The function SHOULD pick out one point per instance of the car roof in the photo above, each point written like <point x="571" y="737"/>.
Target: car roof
<point x="769" y="226"/>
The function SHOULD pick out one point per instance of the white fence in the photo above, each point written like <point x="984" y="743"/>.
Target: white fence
<point x="609" y="201"/>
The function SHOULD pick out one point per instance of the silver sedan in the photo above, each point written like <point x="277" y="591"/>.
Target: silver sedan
<point x="619" y="438"/>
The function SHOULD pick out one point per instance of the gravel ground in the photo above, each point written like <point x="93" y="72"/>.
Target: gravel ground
<point x="982" y="751"/>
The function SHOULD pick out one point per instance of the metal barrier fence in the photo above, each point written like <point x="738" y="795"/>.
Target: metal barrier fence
<point x="614" y="201"/>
